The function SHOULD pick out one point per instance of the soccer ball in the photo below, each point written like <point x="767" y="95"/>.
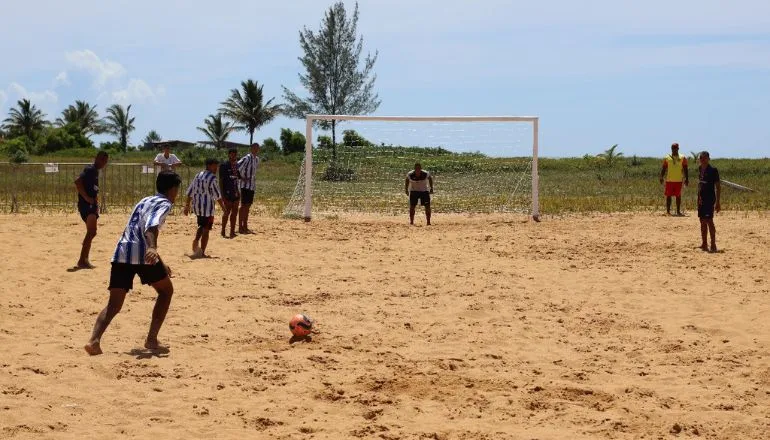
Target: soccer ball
<point x="301" y="325"/>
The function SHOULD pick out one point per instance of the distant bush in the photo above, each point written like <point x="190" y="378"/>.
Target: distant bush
<point x="292" y="141"/>
<point x="62" y="138"/>
<point x="324" y="142"/>
<point x="351" y="138"/>
<point x="269" y="149"/>
<point x="338" y="173"/>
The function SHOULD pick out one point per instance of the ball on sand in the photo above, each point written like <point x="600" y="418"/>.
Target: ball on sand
<point x="301" y="325"/>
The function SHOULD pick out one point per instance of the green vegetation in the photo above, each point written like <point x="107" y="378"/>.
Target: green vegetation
<point x="247" y="108"/>
<point x="570" y="185"/>
<point x="332" y="77"/>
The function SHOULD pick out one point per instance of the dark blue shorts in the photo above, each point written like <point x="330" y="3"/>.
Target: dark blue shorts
<point x="706" y="209"/>
<point x="205" y="222"/>
<point x="85" y="210"/>
<point x="422" y="196"/>
<point x="122" y="274"/>
<point x="247" y="196"/>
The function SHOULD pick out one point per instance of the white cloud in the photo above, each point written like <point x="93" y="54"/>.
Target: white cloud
<point x="61" y="79"/>
<point x="137" y="91"/>
<point x="102" y="71"/>
<point x="41" y="99"/>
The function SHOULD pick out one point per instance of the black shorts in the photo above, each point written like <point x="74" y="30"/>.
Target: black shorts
<point x="422" y="196"/>
<point x="205" y="222"/>
<point x="122" y="274"/>
<point x="231" y="198"/>
<point x="85" y="210"/>
<point x="706" y="209"/>
<point x="247" y="196"/>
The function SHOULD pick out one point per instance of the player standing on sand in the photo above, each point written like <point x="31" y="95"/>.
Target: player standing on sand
<point x="247" y="166"/>
<point x="167" y="161"/>
<point x="229" y="178"/>
<point x="203" y="193"/>
<point x="674" y="171"/>
<point x="416" y="187"/>
<point x="709" y="195"/>
<point x="137" y="254"/>
<point x="88" y="204"/>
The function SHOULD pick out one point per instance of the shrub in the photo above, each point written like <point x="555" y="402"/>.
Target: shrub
<point x="62" y="138"/>
<point x="351" y="138"/>
<point x="338" y="173"/>
<point x="292" y="141"/>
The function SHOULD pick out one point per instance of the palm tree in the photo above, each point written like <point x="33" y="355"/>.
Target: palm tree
<point x="152" y="137"/>
<point x="247" y="108"/>
<point x="85" y="117"/>
<point x="120" y="123"/>
<point x="610" y="156"/>
<point x="217" y="130"/>
<point x="27" y="120"/>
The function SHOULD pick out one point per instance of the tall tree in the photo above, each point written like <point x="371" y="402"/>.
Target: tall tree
<point x="85" y="117"/>
<point x="247" y="108"/>
<point x="217" y="130"/>
<point x="334" y="78"/>
<point x="26" y="120"/>
<point x="120" y="123"/>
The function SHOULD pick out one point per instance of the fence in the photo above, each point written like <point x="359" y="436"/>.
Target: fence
<point x="50" y="186"/>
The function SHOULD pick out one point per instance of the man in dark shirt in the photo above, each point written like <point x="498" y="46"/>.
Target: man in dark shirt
<point x="229" y="181"/>
<point x="87" y="185"/>
<point x="418" y="186"/>
<point x="709" y="194"/>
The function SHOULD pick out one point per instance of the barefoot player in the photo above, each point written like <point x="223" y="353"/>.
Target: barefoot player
<point x="674" y="171"/>
<point x="88" y="204"/>
<point x="203" y="193"/>
<point x="418" y="189"/>
<point x="137" y="254"/>
<point x="247" y="166"/>
<point x="709" y="195"/>
<point x="229" y="178"/>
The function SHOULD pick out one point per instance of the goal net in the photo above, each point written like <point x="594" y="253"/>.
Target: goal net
<point x="479" y="164"/>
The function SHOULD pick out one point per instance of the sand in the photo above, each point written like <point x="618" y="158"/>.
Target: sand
<point x="605" y="326"/>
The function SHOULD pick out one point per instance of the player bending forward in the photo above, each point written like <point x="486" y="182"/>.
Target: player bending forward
<point x="137" y="254"/>
<point x="202" y="194"/>
<point x="416" y="187"/>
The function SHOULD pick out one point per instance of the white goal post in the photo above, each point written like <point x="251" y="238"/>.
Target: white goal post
<point x="311" y="119"/>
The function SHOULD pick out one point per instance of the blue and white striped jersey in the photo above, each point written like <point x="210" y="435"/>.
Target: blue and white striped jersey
<point x="149" y="212"/>
<point x="247" y="165"/>
<point x="204" y="191"/>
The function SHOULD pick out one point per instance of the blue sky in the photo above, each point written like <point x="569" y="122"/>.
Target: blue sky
<point x="597" y="72"/>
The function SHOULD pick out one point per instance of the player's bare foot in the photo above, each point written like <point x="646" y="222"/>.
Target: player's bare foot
<point x="223" y="234"/>
<point x="151" y="344"/>
<point x="84" y="265"/>
<point x="704" y="247"/>
<point x="93" y="348"/>
<point x="713" y="249"/>
<point x="196" y="248"/>
<point x="232" y="234"/>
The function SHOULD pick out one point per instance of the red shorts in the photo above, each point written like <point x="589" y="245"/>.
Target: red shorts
<point x="673" y="189"/>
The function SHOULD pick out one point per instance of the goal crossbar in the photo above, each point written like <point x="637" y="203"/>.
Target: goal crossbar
<point x="310" y="119"/>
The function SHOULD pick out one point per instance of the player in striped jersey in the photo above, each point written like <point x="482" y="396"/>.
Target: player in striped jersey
<point x="203" y="193"/>
<point x="247" y="166"/>
<point x="137" y="254"/>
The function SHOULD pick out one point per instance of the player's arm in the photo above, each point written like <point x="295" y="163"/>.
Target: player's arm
<point x="686" y="172"/>
<point x="82" y="191"/>
<point x="406" y="186"/>
<point x="718" y="186"/>
<point x="430" y="181"/>
<point x="189" y="192"/>
<point x="151" y="238"/>
<point x="218" y="194"/>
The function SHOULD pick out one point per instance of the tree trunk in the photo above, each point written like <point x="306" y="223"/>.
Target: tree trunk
<point x="251" y="138"/>
<point x="334" y="141"/>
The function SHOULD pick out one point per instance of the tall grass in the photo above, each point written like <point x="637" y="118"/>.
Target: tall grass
<point x="569" y="185"/>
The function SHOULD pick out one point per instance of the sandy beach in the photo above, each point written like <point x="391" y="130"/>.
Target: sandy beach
<point x="478" y="327"/>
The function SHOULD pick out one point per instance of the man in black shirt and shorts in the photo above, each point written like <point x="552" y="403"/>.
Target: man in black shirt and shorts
<point x="87" y="185"/>
<point x="419" y="187"/>
<point x="229" y="182"/>
<point x="709" y="195"/>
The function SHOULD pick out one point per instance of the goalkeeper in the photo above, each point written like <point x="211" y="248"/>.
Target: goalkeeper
<point x="419" y="187"/>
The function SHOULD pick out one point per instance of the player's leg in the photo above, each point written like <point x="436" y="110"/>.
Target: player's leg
<point x="233" y="217"/>
<point x="427" y="213"/>
<point x="426" y="202"/>
<point x="115" y="303"/>
<point x="198" y="235"/>
<point x="165" y="291"/>
<point x="679" y="204"/>
<point x="412" y="206"/>
<point x="713" y="231"/>
<point x="243" y="214"/>
<point x="89" y="237"/>
<point x="226" y="215"/>
<point x="703" y="232"/>
<point x="668" y="204"/>
<point x="205" y="235"/>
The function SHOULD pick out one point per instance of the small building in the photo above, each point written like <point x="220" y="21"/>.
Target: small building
<point x="226" y="145"/>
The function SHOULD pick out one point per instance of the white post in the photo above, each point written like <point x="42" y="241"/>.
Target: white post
<point x="308" y="167"/>
<point x="535" y="176"/>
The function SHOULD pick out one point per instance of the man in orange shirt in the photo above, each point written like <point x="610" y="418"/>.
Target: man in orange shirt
<point x="674" y="172"/>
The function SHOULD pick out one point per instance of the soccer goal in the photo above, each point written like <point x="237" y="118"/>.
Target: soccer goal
<point x="479" y="164"/>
